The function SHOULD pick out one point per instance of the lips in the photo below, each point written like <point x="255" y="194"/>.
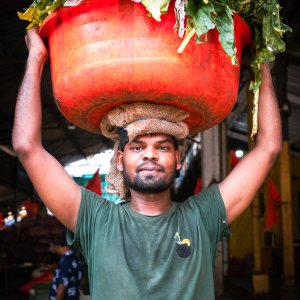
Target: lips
<point x="149" y="167"/>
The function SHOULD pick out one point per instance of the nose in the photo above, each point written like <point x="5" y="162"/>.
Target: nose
<point x="150" y="153"/>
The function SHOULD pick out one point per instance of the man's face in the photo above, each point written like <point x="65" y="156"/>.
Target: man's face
<point x="149" y="163"/>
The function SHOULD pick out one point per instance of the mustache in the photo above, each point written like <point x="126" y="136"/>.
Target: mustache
<point x="150" y="166"/>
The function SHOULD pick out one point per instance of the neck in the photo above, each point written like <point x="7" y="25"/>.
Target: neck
<point x="64" y="250"/>
<point x="151" y="204"/>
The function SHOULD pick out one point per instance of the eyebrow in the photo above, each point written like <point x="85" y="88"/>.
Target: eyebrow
<point x="166" y="140"/>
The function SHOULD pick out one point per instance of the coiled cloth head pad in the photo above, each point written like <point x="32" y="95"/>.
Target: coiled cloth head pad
<point x="137" y="119"/>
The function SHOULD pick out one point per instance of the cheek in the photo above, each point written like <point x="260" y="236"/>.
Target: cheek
<point x="130" y="165"/>
<point x="171" y="164"/>
<point x="127" y="161"/>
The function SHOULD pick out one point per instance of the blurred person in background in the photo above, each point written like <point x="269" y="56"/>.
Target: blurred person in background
<point x="67" y="275"/>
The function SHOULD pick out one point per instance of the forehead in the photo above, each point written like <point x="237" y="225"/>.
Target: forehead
<point x="153" y="138"/>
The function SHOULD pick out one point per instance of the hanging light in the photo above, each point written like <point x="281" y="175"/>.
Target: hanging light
<point x="239" y="153"/>
<point x="10" y="219"/>
<point x="22" y="213"/>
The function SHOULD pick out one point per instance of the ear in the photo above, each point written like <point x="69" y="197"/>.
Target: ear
<point x="178" y="162"/>
<point x="119" y="160"/>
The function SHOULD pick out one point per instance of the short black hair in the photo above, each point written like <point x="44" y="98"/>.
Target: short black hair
<point x="123" y="138"/>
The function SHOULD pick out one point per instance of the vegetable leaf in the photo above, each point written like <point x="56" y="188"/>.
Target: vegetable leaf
<point x="203" y="16"/>
<point x="39" y="10"/>
<point x="156" y="7"/>
<point x="226" y="30"/>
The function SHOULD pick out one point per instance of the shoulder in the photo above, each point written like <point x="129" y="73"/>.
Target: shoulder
<point x="87" y="195"/>
<point x="209" y="205"/>
<point x="208" y="196"/>
<point x="92" y="202"/>
<point x="71" y="261"/>
<point x="94" y="209"/>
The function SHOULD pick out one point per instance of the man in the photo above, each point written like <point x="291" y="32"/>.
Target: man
<point x="66" y="277"/>
<point x="149" y="247"/>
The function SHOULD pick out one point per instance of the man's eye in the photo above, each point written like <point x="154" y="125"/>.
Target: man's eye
<point x="163" y="148"/>
<point x="136" y="148"/>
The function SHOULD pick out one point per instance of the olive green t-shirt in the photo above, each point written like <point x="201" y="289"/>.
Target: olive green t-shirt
<point x="136" y="257"/>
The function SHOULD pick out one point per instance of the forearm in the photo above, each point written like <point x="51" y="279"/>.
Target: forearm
<point x="269" y="136"/>
<point x="27" y="125"/>
<point x="243" y="182"/>
<point x="27" y="141"/>
<point x="60" y="293"/>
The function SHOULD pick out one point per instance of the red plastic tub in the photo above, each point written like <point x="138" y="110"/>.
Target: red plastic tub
<point x="104" y="53"/>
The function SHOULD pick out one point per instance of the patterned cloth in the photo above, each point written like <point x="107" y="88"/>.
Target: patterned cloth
<point x="68" y="273"/>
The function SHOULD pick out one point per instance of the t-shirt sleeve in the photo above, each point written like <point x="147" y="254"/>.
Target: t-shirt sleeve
<point x="92" y="214"/>
<point x="213" y="214"/>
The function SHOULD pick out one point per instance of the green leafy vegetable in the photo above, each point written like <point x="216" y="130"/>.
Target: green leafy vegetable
<point x="156" y="7"/>
<point x="202" y="15"/>
<point x="39" y="10"/>
<point x="224" y="23"/>
<point x="262" y="17"/>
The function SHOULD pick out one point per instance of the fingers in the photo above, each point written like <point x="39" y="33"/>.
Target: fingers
<point x="34" y="28"/>
<point x="35" y="44"/>
<point x="33" y="37"/>
<point x="33" y="31"/>
<point x="265" y="66"/>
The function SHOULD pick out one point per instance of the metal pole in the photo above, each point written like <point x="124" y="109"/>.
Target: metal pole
<point x="285" y="174"/>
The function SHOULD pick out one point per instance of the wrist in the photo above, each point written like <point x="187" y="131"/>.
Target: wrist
<point x="36" y="57"/>
<point x="265" y="67"/>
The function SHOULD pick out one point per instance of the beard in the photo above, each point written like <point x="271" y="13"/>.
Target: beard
<point x="149" y="184"/>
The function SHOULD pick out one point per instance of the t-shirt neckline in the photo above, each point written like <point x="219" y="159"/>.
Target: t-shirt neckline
<point x="138" y="215"/>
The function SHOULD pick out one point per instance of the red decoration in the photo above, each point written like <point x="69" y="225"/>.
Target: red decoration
<point x="32" y="208"/>
<point x="198" y="186"/>
<point x="104" y="53"/>
<point x="1" y="220"/>
<point x="273" y="199"/>
<point x="234" y="160"/>
<point x="43" y="278"/>
<point x="94" y="184"/>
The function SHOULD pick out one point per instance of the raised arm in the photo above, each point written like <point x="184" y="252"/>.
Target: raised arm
<point x="240" y="186"/>
<point x="55" y="187"/>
